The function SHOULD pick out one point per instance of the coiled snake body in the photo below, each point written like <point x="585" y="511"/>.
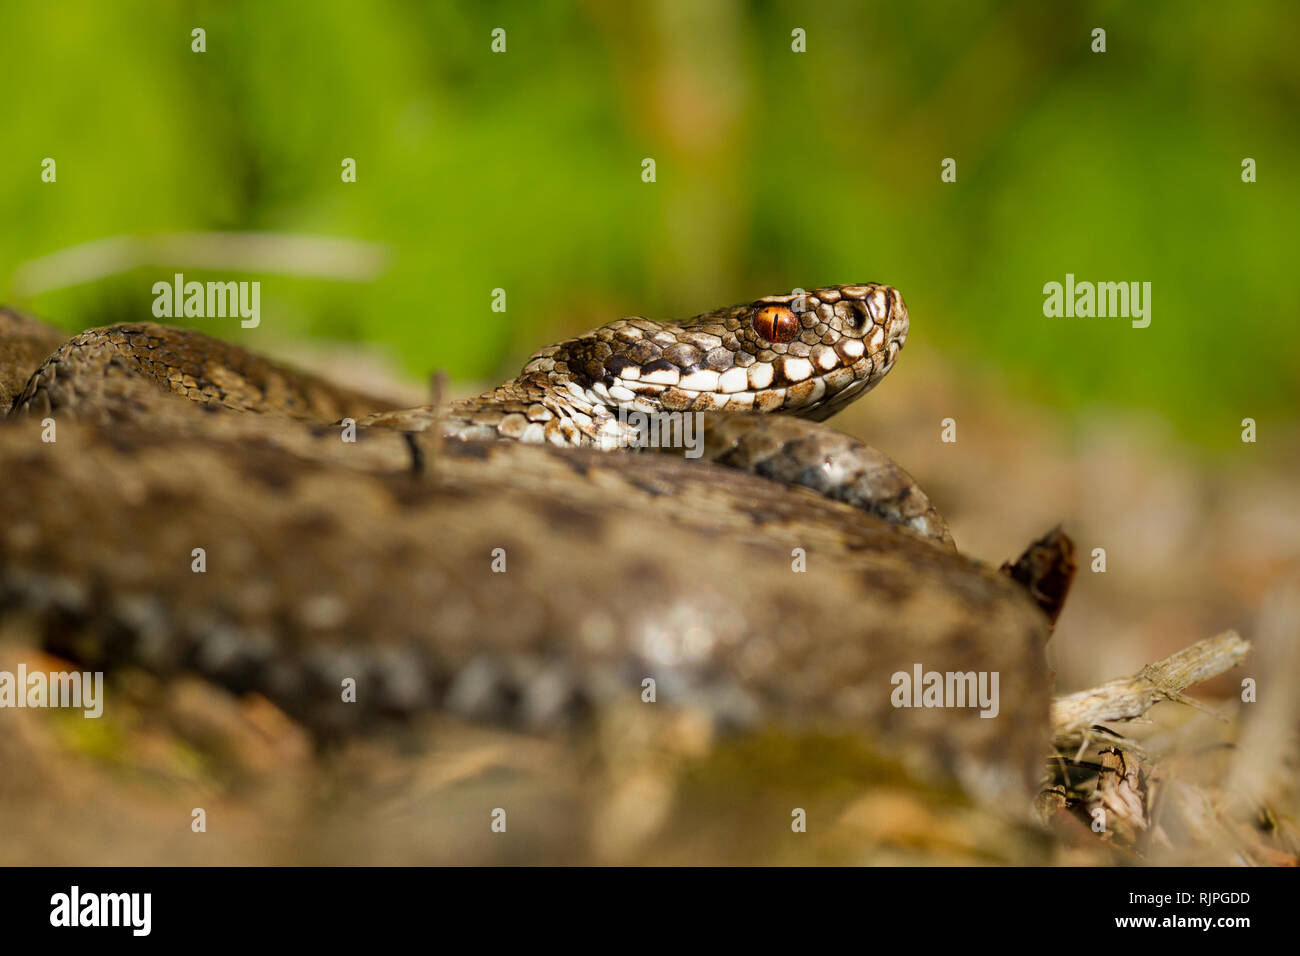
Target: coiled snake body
<point x="531" y="581"/>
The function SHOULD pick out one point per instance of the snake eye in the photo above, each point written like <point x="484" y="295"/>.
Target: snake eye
<point x="775" y="324"/>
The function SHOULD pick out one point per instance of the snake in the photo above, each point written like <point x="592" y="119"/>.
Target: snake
<point x="502" y="558"/>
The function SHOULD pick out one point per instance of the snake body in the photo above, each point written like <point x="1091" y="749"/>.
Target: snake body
<point x="329" y="560"/>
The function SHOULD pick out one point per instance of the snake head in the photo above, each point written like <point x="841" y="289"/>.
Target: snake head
<point x="804" y="353"/>
<point x="825" y="347"/>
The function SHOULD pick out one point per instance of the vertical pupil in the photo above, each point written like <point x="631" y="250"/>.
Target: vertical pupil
<point x="775" y="325"/>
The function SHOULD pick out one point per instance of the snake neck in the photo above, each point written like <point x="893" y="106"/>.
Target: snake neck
<point x="535" y="408"/>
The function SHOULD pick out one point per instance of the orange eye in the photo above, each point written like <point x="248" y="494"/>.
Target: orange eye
<point x="776" y="324"/>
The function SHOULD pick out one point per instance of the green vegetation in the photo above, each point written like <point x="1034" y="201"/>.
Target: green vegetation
<point x="522" y="171"/>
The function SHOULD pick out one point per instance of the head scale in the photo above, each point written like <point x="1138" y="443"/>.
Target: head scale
<point x="802" y="353"/>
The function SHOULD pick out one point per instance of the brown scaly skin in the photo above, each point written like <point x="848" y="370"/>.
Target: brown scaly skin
<point x="806" y="354"/>
<point x="115" y="374"/>
<point x="618" y="569"/>
<point x="25" y="342"/>
<point x="328" y="560"/>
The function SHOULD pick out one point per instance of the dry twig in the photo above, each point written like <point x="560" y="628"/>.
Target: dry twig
<point x="1130" y="697"/>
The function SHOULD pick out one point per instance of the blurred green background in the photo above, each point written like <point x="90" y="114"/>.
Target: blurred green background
<point x="522" y="170"/>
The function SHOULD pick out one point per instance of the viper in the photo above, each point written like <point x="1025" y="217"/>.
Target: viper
<point x="505" y="557"/>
